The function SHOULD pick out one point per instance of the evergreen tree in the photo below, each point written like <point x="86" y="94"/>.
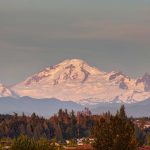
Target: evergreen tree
<point x="103" y="135"/>
<point x="115" y="133"/>
<point x="121" y="113"/>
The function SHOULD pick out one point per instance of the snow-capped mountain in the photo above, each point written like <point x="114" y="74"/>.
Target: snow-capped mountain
<point x="76" y="81"/>
<point x="5" y="92"/>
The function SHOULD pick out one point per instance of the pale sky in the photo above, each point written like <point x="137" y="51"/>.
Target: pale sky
<point x="108" y="34"/>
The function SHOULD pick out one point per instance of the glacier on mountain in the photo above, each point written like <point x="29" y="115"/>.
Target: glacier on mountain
<point x="74" y="80"/>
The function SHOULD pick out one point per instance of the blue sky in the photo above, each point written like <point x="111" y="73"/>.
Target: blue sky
<point x="112" y="35"/>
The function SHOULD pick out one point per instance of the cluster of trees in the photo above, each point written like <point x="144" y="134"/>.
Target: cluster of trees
<point x="111" y="132"/>
<point x="61" y="126"/>
<point x="33" y="126"/>
<point x="115" y="132"/>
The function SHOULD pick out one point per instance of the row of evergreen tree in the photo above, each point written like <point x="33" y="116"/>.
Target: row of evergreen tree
<point x="61" y="126"/>
<point x="111" y="131"/>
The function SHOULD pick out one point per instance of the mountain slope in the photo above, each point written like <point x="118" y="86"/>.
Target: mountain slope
<point x="5" y="92"/>
<point x="48" y="107"/>
<point x="42" y="107"/>
<point x="140" y="109"/>
<point x="76" y="81"/>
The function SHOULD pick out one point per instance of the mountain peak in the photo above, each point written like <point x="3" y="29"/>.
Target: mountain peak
<point x="74" y="60"/>
<point x="70" y="70"/>
<point x="75" y="80"/>
<point x="4" y="91"/>
<point x="79" y="65"/>
<point x="114" y="74"/>
<point x="146" y="81"/>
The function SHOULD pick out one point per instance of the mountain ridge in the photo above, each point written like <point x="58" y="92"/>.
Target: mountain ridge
<point x="49" y="107"/>
<point x="5" y="91"/>
<point x="28" y="105"/>
<point x="75" y="80"/>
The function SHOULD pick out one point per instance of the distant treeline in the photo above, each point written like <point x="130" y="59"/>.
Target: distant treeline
<point x="63" y="125"/>
<point x="68" y="125"/>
